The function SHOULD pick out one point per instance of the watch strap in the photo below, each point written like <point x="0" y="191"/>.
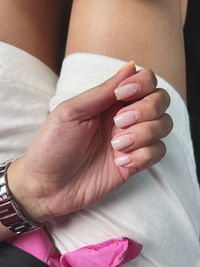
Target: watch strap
<point x="10" y="214"/>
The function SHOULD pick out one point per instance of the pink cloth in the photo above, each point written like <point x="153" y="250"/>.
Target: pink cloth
<point x="111" y="253"/>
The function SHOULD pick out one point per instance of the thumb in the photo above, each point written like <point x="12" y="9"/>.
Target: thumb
<point x="96" y="100"/>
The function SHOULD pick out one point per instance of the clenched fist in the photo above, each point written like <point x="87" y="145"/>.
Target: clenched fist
<point x="91" y="144"/>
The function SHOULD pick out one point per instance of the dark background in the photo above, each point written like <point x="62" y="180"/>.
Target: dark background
<point x="192" y="48"/>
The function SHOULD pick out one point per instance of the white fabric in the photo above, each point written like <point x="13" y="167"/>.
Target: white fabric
<point x="26" y="86"/>
<point x="159" y="207"/>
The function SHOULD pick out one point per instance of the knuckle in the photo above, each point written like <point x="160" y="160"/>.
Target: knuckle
<point x="152" y="108"/>
<point x="160" y="149"/>
<point x="148" y="157"/>
<point x="163" y="149"/>
<point x="105" y="86"/>
<point x="65" y="112"/>
<point x="151" y="133"/>
<point x="151" y="77"/>
<point x="168" y="122"/>
<point x="154" y="154"/>
<point x="165" y="98"/>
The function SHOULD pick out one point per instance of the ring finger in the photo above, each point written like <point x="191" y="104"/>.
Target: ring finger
<point x="142" y="157"/>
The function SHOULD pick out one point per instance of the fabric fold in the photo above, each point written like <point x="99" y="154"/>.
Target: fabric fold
<point x="111" y="253"/>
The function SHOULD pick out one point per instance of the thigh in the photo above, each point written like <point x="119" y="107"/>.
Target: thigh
<point x="34" y="26"/>
<point x="150" y="32"/>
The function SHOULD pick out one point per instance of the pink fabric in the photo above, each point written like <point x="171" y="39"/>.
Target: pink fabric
<point x="36" y="243"/>
<point x="111" y="253"/>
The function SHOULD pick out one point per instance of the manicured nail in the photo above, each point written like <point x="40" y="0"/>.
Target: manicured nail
<point x="131" y="63"/>
<point x="126" y="118"/>
<point x="124" y="160"/>
<point x="126" y="90"/>
<point x="122" y="141"/>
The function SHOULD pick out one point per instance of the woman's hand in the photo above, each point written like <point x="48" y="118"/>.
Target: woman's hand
<point x="71" y="162"/>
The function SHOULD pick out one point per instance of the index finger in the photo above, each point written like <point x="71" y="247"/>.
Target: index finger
<point x="136" y="86"/>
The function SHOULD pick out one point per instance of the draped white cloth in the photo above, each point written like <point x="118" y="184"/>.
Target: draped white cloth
<point x="158" y="207"/>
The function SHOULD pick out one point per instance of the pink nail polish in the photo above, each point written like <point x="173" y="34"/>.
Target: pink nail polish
<point x="127" y="118"/>
<point x="122" y="141"/>
<point x="123" y="160"/>
<point x="131" y="63"/>
<point x="126" y="90"/>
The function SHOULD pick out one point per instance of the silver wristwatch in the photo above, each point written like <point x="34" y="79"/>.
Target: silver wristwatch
<point x="10" y="214"/>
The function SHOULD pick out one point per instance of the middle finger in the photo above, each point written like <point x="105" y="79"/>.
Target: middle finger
<point x="142" y="134"/>
<point x="149" y="108"/>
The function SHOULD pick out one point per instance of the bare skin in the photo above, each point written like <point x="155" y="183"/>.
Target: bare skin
<point x="184" y="4"/>
<point x="149" y="32"/>
<point x="34" y="26"/>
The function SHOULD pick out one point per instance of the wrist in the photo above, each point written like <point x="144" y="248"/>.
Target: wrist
<point x="25" y="192"/>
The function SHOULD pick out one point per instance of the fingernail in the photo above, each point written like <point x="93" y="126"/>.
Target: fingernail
<point x="126" y="118"/>
<point x="124" y="160"/>
<point x="122" y="141"/>
<point x="126" y="90"/>
<point x="131" y="63"/>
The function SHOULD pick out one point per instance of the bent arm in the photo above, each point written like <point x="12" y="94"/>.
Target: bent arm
<point x="149" y="32"/>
